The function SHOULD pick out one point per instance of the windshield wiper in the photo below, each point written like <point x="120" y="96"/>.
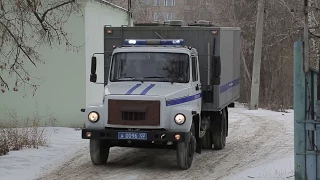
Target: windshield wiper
<point x="156" y="77"/>
<point x="175" y="80"/>
<point x="161" y="78"/>
<point x="131" y="79"/>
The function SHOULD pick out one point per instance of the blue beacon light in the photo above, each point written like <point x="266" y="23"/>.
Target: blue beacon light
<point x="163" y="42"/>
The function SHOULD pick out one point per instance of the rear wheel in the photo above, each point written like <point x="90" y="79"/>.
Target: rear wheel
<point x="207" y="140"/>
<point x="99" y="151"/>
<point x="219" y="138"/>
<point x="185" y="151"/>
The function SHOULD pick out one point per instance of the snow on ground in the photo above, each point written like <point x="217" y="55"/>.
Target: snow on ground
<point x="279" y="169"/>
<point x="27" y="164"/>
<point x="260" y="145"/>
<point x="283" y="168"/>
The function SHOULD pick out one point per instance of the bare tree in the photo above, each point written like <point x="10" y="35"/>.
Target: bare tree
<point x="281" y="30"/>
<point x="26" y="25"/>
<point x="282" y="27"/>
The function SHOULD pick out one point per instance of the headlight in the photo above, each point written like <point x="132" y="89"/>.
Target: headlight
<point x="93" y="117"/>
<point x="180" y="119"/>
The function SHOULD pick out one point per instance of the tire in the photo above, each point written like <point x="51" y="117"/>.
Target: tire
<point x="219" y="138"/>
<point x="206" y="140"/>
<point x="99" y="151"/>
<point x="186" y="150"/>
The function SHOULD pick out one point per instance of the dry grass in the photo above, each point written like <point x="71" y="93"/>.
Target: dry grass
<point x="18" y="134"/>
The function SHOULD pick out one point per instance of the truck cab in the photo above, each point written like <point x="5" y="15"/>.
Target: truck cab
<point x="153" y="92"/>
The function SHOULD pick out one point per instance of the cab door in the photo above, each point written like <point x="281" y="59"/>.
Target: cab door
<point x="196" y="85"/>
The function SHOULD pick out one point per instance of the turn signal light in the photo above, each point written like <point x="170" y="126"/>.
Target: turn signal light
<point x="177" y="136"/>
<point x="88" y="134"/>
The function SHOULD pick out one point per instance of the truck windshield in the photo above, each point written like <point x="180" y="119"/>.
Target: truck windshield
<point x="150" y="66"/>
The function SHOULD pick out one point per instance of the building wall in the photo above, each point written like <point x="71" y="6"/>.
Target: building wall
<point x="63" y="93"/>
<point x="164" y="10"/>
<point x="98" y="15"/>
<point x="187" y="10"/>
<point x="145" y="10"/>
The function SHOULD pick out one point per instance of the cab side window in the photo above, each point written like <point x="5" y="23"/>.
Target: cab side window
<point x="194" y="69"/>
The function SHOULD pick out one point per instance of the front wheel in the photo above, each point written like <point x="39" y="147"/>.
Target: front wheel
<point x="99" y="151"/>
<point x="185" y="151"/>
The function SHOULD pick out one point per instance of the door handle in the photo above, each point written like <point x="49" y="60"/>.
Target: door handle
<point x="197" y="87"/>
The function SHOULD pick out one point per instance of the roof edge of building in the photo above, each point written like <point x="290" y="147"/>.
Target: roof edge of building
<point x="113" y="5"/>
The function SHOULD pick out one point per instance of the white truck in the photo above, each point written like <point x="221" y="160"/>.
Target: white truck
<point x="166" y="86"/>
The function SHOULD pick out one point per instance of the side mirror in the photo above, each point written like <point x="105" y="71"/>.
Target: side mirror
<point x="216" y="70"/>
<point x="93" y="75"/>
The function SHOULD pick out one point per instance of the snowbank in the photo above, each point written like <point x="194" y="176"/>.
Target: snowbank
<point x="29" y="163"/>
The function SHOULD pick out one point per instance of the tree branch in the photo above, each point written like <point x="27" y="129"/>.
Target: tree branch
<point x="315" y="35"/>
<point x="55" y="7"/>
<point x="17" y="42"/>
<point x="42" y="19"/>
<point x="36" y="14"/>
<point x="5" y="84"/>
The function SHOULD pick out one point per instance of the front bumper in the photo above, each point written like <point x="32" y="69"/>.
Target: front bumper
<point x="152" y="135"/>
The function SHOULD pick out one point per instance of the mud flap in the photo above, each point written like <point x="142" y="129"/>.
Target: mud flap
<point x="198" y="146"/>
<point x="196" y="121"/>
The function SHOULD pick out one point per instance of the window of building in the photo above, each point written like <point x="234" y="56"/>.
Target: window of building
<point x="169" y="16"/>
<point x="169" y="2"/>
<point x="156" y="2"/>
<point x="156" y="16"/>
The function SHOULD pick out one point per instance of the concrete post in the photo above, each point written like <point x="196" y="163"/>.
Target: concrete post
<point x="254" y="100"/>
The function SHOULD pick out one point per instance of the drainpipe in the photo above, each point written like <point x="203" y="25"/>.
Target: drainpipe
<point x="129" y="12"/>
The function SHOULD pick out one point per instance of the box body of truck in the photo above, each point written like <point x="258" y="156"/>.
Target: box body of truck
<point x="185" y="110"/>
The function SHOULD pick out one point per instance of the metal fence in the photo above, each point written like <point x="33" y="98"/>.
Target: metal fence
<point x="306" y="119"/>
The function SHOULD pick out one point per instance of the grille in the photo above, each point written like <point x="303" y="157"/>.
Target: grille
<point x="133" y="116"/>
<point x="134" y="112"/>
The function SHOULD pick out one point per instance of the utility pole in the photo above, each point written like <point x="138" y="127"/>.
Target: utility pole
<point x="306" y="36"/>
<point x="254" y="100"/>
<point x="129" y="12"/>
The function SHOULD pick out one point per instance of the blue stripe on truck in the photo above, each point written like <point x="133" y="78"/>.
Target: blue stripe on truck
<point x="229" y="85"/>
<point x="183" y="99"/>
<point x="146" y="90"/>
<point x="132" y="89"/>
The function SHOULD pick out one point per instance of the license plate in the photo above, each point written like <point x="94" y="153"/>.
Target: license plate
<point x="132" y="135"/>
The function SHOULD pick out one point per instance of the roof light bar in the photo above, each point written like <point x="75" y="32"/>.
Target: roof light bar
<point x="163" y="42"/>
